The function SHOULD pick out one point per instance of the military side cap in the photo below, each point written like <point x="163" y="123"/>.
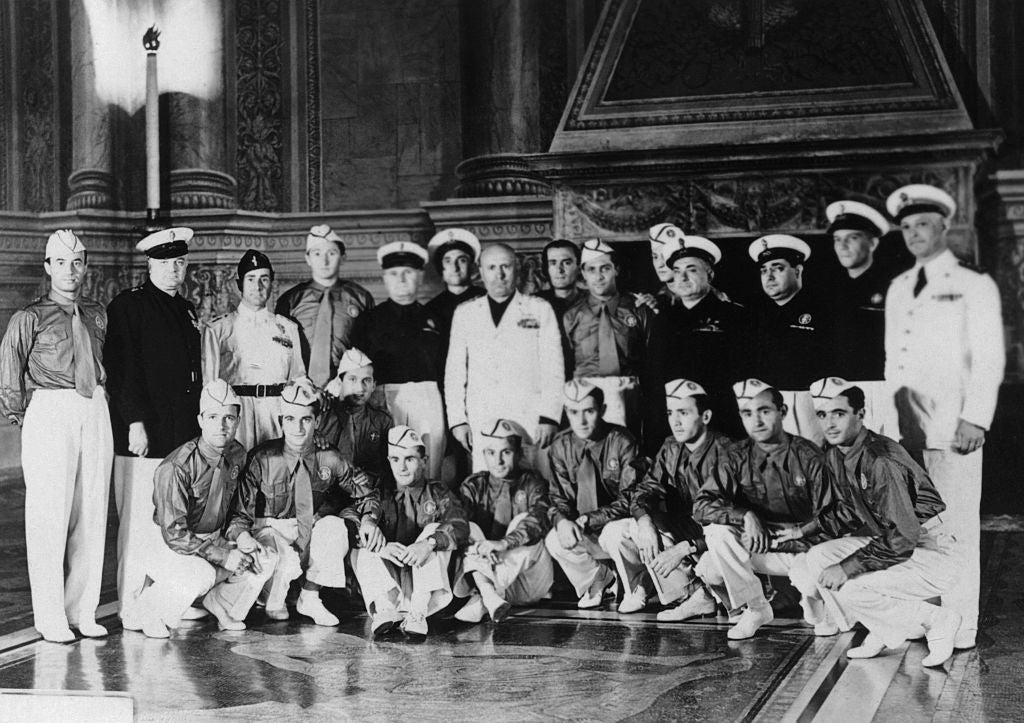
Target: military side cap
<point x="825" y="390"/>
<point x="351" y="360"/>
<point x="576" y="390"/>
<point x="664" y="237"/>
<point x="779" y="246"/>
<point x="748" y="389"/>
<point x="919" y="198"/>
<point x="217" y="393"/>
<point x="501" y="429"/>
<point x="401" y="253"/>
<point x="301" y="391"/>
<point x="63" y="244"/>
<point x="404" y="437"/>
<point x="594" y="249"/>
<point x="855" y="216"/>
<point x="252" y="260"/>
<point x="166" y="244"/>
<point x="683" y="388"/>
<point x="697" y="247"/>
<point x="322" y="235"/>
<point x="453" y="238"/>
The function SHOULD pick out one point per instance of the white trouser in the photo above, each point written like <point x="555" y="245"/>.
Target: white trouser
<point x="522" y="575"/>
<point x="324" y="563"/>
<point x="806" y="570"/>
<point x="580" y="563"/>
<point x="66" y="452"/>
<point x="957" y="478"/>
<point x="136" y="531"/>
<point x="729" y="568"/>
<point x="622" y="400"/>
<point x="618" y="540"/>
<point x="179" y="579"/>
<point x="426" y="589"/>
<point x="887" y="602"/>
<point x="258" y="420"/>
<point x="418" y="405"/>
<point x="800" y="419"/>
<point x="879" y="408"/>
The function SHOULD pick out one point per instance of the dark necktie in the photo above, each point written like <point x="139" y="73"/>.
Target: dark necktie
<point x="212" y="517"/>
<point x="586" y="484"/>
<point x="85" y="365"/>
<point x="320" y="345"/>
<point x="607" y="352"/>
<point x="303" y="491"/>
<point x="921" y="281"/>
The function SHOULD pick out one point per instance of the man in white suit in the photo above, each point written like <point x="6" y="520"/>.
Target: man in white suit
<point x="504" y="359"/>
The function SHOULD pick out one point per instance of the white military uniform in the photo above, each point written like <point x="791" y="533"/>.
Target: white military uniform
<point x="944" y="359"/>
<point x="253" y="348"/>
<point x="515" y="370"/>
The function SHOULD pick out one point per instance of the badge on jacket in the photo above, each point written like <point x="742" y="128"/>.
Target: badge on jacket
<point x="235" y="469"/>
<point x="529" y="322"/>
<point x="430" y="507"/>
<point x="324" y="473"/>
<point x="520" y="500"/>
<point x="799" y="480"/>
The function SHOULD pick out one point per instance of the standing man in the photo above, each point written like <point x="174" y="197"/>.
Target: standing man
<point x="255" y="351"/>
<point x="665" y="238"/>
<point x="769" y="483"/>
<point x="325" y="307"/>
<point x="406" y="343"/>
<point x="455" y="252"/>
<point x="609" y="334"/>
<point x="791" y="330"/>
<point x="592" y="474"/>
<point x="51" y="385"/>
<point x="944" y="360"/>
<point x="859" y="296"/>
<point x="505" y="357"/>
<point x="192" y="492"/>
<point x="561" y="259"/>
<point x="153" y="359"/>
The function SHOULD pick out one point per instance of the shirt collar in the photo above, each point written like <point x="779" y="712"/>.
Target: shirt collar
<point x="760" y="456"/>
<point x="246" y="312"/>
<point x="291" y="458"/>
<point x="946" y="258"/>
<point x="212" y="456"/>
<point x="852" y="455"/>
<point x="612" y="303"/>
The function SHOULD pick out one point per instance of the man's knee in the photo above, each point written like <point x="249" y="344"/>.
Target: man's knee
<point x="614" y="534"/>
<point x="331" y="532"/>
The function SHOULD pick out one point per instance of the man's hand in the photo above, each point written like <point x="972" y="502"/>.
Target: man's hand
<point x="490" y="549"/>
<point x="648" y="300"/>
<point x="393" y="551"/>
<point x="755" y="536"/>
<point x="417" y="553"/>
<point x="833" y="577"/>
<point x="361" y="478"/>
<point x="464" y="436"/>
<point x="648" y="542"/>
<point x="370" y="536"/>
<point x="787" y="534"/>
<point x="320" y="441"/>
<point x="238" y="561"/>
<point x="544" y="434"/>
<point x="247" y="543"/>
<point x="569" y="534"/>
<point x="668" y="560"/>
<point x="969" y="437"/>
<point x="15" y="419"/>
<point x="138" y="440"/>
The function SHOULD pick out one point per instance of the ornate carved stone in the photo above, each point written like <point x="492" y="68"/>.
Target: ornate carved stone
<point x="314" y="143"/>
<point x="499" y="175"/>
<point x="201" y="188"/>
<point x="90" y="188"/>
<point x="38" y="144"/>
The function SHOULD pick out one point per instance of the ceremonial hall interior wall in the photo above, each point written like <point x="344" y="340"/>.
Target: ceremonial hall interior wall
<point x="519" y="119"/>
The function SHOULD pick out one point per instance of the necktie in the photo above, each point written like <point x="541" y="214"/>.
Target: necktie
<point x="85" y="365"/>
<point x="586" y="484"/>
<point x="502" y="510"/>
<point x="407" y="530"/>
<point x="607" y="352"/>
<point x="320" y="344"/>
<point x="302" y="486"/>
<point x="212" y="518"/>
<point x="921" y="281"/>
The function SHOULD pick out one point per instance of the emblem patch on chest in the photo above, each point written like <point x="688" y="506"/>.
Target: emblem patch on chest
<point x="799" y="480"/>
<point x="521" y="498"/>
<point x="430" y="507"/>
<point x="529" y="322"/>
<point x="353" y="312"/>
<point x="100" y="323"/>
<point x="324" y="473"/>
<point x="613" y="464"/>
<point x="235" y="469"/>
<point x="630" y="320"/>
<point x="804" y="319"/>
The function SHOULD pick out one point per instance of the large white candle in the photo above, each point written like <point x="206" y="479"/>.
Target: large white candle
<point x="151" y="41"/>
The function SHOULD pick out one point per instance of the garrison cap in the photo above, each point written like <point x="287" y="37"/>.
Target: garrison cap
<point x="501" y="429"/>
<point x="826" y="389"/>
<point x="253" y="260"/>
<point x="453" y="238"/>
<point x="855" y="216"/>
<point x="217" y="393"/>
<point x="301" y="391"/>
<point x="665" y="238"/>
<point x="322" y="235"/>
<point x="576" y="390"/>
<point x="351" y="360"/>
<point x="683" y="388"/>
<point x="919" y="198"/>
<point x="593" y="249"/>
<point x="403" y="437"/>
<point x="402" y="253"/>
<point x="697" y="247"/>
<point x="168" y="243"/>
<point x="748" y="389"/>
<point x="62" y="244"/>
<point x="779" y="246"/>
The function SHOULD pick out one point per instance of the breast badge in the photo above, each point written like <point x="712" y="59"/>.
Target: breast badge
<point x="324" y="473"/>
<point x="430" y="507"/>
<point x="235" y="469"/>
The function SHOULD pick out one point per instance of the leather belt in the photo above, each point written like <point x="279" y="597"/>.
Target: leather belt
<point x="931" y="523"/>
<point x="258" y="390"/>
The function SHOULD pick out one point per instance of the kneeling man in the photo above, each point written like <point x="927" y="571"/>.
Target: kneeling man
<point x="507" y="508"/>
<point x="892" y="508"/>
<point x="302" y="502"/>
<point x="404" y="565"/>
<point x="192" y="491"/>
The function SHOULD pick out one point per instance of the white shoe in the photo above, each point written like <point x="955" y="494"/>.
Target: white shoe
<point x="870" y="647"/>
<point x="633" y="602"/>
<point x="750" y="622"/>
<point x="697" y="605"/>
<point x="194" y="613"/>
<point x="826" y="629"/>
<point x="942" y="629"/>
<point x="277" y="613"/>
<point x="310" y="605"/>
<point x="473" y="611"/>
<point x="965" y="639"/>
<point x="58" y="634"/>
<point x="415" y="624"/>
<point x="224" y="619"/>
<point x="500" y="611"/>
<point x="595" y="595"/>
<point x="90" y="629"/>
<point x="154" y="627"/>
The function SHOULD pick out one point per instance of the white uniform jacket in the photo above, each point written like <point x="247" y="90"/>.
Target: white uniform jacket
<point x="515" y="370"/>
<point x="944" y="353"/>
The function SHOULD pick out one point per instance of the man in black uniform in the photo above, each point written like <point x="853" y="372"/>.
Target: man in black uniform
<point x="455" y="252"/>
<point x="859" y="296"/>
<point x="561" y="264"/>
<point x="792" y="330"/>
<point x="153" y="358"/>
<point x="404" y="340"/>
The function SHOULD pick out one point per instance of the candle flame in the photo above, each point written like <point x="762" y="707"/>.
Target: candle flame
<point x="151" y="40"/>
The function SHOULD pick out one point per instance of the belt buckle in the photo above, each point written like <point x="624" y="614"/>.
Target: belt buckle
<point x="261" y="390"/>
